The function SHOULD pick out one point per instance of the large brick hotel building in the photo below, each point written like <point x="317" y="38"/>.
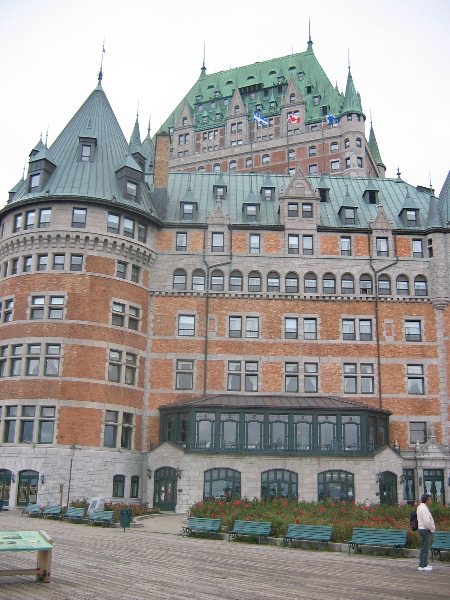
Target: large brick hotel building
<point x="232" y="308"/>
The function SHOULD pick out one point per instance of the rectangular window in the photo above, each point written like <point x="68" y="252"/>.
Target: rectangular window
<point x="348" y="329"/>
<point x="27" y="264"/>
<point x="135" y="273"/>
<point x="310" y="329"/>
<point x="85" y="153"/>
<point x="292" y="209"/>
<point x="131" y="191"/>
<point x="335" y="166"/>
<point x="76" y="262"/>
<point x="415" y="379"/>
<point x="346" y="246"/>
<point x="128" y="227"/>
<point x="122" y="369"/>
<point x="46" y="424"/>
<point x="291" y="328"/>
<point x="30" y="219"/>
<point x="307" y="244"/>
<point x="234" y="376"/>
<point x="349" y="216"/>
<point x="58" y="262"/>
<point x="52" y="360"/>
<point x="382" y="246"/>
<point x="311" y="378"/>
<point x="251" y="212"/>
<point x="186" y="325"/>
<point x="44" y="217"/>
<point x="255" y="243"/>
<point x="111" y="427"/>
<point x="252" y="327"/>
<point x="79" y="217"/>
<point x="217" y="242"/>
<point x="14" y="266"/>
<point x="293" y="244"/>
<point x="185" y="375"/>
<point x="113" y="225"/>
<point x="413" y="331"/>
<point x="235" y="326"/>
<point x="363" y="377"/>
<point x="42" y="262"/>
<point x="34" y="182"/>
<point x="17" y="222"/>
<point x="417" y="248"/>
<point x="251" y="376"/>
<point x="142" y="232"/>
<point x="417" y="432"/>
<point x="121" y="269"/>
<point x="6" y="310"/>
<point x="307" y="210"/>
<point x="187" y="210"/>
<point x="365" y="329"/>
<point x="181" y="241"/>
<point x="291" y="377"/>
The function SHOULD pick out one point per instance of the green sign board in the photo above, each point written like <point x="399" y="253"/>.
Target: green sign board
<point x="23" y="540"/>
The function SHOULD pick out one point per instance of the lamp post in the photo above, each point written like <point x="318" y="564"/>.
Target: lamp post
<point x="73" y="448"/>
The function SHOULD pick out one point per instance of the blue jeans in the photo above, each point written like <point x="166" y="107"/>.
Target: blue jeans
<point x="426" y="537"/>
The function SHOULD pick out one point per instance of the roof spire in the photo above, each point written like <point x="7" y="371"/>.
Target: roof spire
<point x="100" y="73"/>
<point x="203" y="69"/>
<point x="46" y="136"/>
<point x="309" y="48"/>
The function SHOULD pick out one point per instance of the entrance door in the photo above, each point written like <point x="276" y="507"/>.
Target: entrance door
<point x="5" y="486"/>
<point x="28" y="487"/>
<point x="388" y="488"/>
<point x="165" y="494"/>
<point x="433" y="484"/>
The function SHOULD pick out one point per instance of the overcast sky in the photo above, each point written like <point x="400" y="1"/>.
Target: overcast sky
<point x="50" y="52"/>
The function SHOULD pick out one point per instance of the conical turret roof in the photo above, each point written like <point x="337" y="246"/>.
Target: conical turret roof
<point x="373" y="146"/>
<point x="352" y="100"/>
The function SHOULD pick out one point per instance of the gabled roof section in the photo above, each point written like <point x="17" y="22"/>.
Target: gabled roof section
<point x="273" y="76"/>
<point x="435" y="219"/>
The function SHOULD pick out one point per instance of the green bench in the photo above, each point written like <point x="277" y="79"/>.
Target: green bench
<point x="52" y="511"/>
<point x="441" y="541"/>
<point x="73" y="514"/>
<point x="101" y="516"/>
<point x="318" y="533"/>
<point x="365" y="536"/>
<point x="202" y="524"/>
<point x="256" y="528"/>
<point x="32" y="510"/>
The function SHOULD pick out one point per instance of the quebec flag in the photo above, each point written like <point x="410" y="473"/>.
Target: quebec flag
<point x="332" y="120"/>
<point x="259" y="119"/>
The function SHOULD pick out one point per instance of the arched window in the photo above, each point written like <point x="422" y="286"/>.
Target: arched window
<point x="198" y="279"/>
<point x="347" y="284"/>
<point x="266" y="159"/>
<point x="292" y="98"/>
<point x="329" y="283"/>
<point x="216" y="168"/>
<point x="365" y="284"/>
<point x="336" y="485"/>
<point x="291" y="154"/>
<point x="254" y="282"/>
<point x="184" y="121"/>
<point x="384" y="284"/>
<point x="310" y="283"/>
<point x="118" y="486"/>
<point x="402" y="285"/>
<point x="420" y="286"/>
<point x="235" y="281"/>
<point x="222" y="484"/>
<point x="179" y="279"/>
<point x="236" y="110"/>
<point x="233" y="165"/>
<point x="291" y="283"/>
<point x="217" y="280"/>
<point x="248" y="162"/>
<point x="279" y="483"/>
<point x="273" y="282"/>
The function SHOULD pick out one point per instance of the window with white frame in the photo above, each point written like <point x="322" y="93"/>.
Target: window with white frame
<point x="217" y="242"/>
<point x="121" y="269"/>
<point x="76" y="262"/>
<point x="186" y="325"/>
<point x="415" y="379"/>
<point x="255" y="243"/>
<point x="251" y="212"/>
<point x="346" y="246"/>
<point x="382" y="246"/>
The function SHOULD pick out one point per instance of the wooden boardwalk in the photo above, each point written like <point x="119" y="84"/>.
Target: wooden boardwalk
<point x="155" y="563"/>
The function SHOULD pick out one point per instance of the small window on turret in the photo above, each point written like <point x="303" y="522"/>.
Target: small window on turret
<point x="85" y="153"/>
<point x="349" y="117"/>
<point x="131" y="191"/>
<point x="358" y="142"/>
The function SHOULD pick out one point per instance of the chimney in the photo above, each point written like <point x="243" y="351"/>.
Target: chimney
<point x="162" y="155"/>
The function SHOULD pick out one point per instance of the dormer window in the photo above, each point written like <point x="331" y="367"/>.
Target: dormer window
<point x="324" y="194"/>
<point x="251" y="212"/>
<point x="267" y="193"/>
<point x="220" y="191"/>
<point x="131" y="191"/>
<point x="308" y="89"/>
<point x="301" y="75"/>
<point x="316" y="100"/>
<point x="198" y="98"/>
<point x="34" y="182"/>
<point x="349" y="216"/>
<point x="371" y="196"/>
<point x="281" y="79"/>
<point x="184" y="121"/>
<point x="411" y="217"/>
<point x="85" y="153"/>
<point x="272" y="105"/>
<point x="236" y="110"/>
<point x="292" y="98"/>
<point x="187" y="211"/>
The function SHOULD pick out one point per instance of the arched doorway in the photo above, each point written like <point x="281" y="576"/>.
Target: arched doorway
<point x="388" y="487"/>
<point x="28" y="488"/>
<point x="5" y="486"/>
<point x="165" y="492"/>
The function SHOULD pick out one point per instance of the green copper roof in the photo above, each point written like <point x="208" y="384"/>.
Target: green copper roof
<point x="262" y="83"/>
<point x="374" y="148"/>
<point x="352" y="100"/>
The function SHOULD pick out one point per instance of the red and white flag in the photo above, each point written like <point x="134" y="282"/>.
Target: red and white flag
<point x="293" y="119"/>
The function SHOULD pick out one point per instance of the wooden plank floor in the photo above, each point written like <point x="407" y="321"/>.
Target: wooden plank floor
<point x="154" y="562"/>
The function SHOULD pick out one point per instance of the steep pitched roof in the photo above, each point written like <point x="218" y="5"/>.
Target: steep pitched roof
<point x="373" y="146"/>
<point x="352" y="100"/>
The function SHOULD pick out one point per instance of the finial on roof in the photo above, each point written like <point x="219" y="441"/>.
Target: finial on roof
<point x="203" y="69"/>
<point x="348" y="59"/>
<point x="46" y="136"/>
<point x="148" y="128"/>
<point x="398" y="172"/>
<point x="100" y="73"/>
<point x="429" y="174"/>
<point x="23" y="170"/>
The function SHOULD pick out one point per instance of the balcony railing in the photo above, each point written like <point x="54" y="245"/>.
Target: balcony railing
<point x="333" y="449"/>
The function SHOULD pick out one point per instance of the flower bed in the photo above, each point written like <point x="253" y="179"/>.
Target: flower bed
<point x="341" y="516"/>
<point x="137" y="510"/>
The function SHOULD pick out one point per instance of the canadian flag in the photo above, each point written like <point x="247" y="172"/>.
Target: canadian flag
<point x="293" y="119"/>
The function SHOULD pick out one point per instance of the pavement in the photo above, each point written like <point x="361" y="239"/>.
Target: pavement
<point x="154" y="562"/>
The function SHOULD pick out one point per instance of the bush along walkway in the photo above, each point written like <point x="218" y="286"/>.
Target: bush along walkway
<point x="341" y="516"/>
